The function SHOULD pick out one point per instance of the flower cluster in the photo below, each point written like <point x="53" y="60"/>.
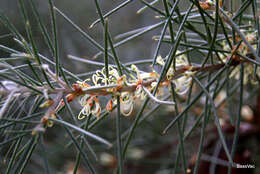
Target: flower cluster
<point x="90" y="106"/>
<point x="209" y="4"/>
<point x="135" y="85"/>
<point x="182" y="83"/>
<point x="100" y="78"/>
<point x="243" y="49"/>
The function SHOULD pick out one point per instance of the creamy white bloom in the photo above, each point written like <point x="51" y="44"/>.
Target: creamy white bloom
<point x="90" y="106"/>
<point x="100" y="77"/>
<point x="182" y="83"/>
<point x="126" y="103"/>
<point x="243" y="50"/>
<point x="142" y="76"/>
<point x="140" y="93"/>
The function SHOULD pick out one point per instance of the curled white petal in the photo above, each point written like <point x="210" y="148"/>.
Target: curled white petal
<point x="84" y="99"/>
<point x="146" y="75"/>
<point x="182" y="84"/>
<point x="160" y="60"/>
<point x="86" y="110"/>
<point x="95" y="79"/>
<point x="134" y="68"/>
<point x="95" y="110"/>
<point x="181" y="60"/>
<point x="126" y="103"/>
<point x="126" y="108"/>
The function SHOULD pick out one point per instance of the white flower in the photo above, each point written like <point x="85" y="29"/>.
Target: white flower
<point x="90" y="106"/>
<point x="100" y="77"/>
<point x="126" y="103"/>
<point x="135" y="153"/>
<point x="160" y="60"/>
<point x="140" y="93"/>
<point x="181" y="60"/>
<point x="210" y="2"/>
<point x="224" y="56"/>
<point x="83" y="84"/>
<point x="142" y="76"/>
<point x="182" y="83"/>
<point x="243" y="50"/>
<point x="134" y="68"/>
<point x="248" y="73"/>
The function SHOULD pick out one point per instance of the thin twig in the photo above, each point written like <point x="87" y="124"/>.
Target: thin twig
<point x="156" y="99"/>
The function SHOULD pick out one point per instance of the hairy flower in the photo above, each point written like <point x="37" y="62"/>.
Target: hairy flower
<point x="126" y="103"/>
<point x="140" y="93"/>
<point x="142" y="76"/>
<point x="138" y="79"/>
<point x="90" y="106"/>
<point x="249" y="69"/>
<point x="243" y="49"/>
<point x="210" y="4"/>
<point x="100" y="78"/>
<point x="182" y="83"/>
<point x="83" y="84"/>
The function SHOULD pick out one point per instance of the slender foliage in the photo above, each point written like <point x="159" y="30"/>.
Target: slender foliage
<point x="57" y="97"/>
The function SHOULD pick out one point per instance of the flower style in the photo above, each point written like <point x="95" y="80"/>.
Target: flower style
<point x="83" y="84"/>
<point x="183" y="82"/>
<point x="100" y="78"/>
<point x="139" y="92"/>
<point x="127" y="98"/>
<point x="141" y="76"/>
<point x="90" y="103"/>
<point x="90" y="106"/>
<point x="126" y="103"/>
